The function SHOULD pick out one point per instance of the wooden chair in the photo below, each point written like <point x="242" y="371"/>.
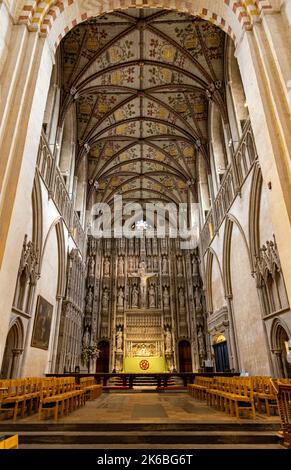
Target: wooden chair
<point x="283" y="389"/>
<point x="266" y="394"/>
<point x="14" y="399"/>
<point x="60" y="396"/>
<point x="51" y="400"/>
<point x="9" y="442"/>
<point x="91" y="390"/>
<point x="243" y="398"/>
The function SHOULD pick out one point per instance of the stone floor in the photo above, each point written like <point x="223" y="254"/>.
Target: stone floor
<point x="148" y="408"/>
<point x="124" y="420"/>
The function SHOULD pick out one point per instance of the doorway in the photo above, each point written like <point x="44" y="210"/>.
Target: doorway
<point x="185" y="356"/>
<point x="102" y="364"/>
<point x="221" y="357"/>
<point x="280" y="339"/>
<point x="13" y="351"/>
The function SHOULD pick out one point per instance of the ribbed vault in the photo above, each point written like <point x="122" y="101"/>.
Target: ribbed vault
<point x="141" y="82"/>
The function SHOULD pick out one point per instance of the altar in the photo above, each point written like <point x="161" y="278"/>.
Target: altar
<point x="144" y="365"/>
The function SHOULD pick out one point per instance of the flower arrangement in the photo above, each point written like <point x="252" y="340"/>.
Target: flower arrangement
<point x="90" y="352"/>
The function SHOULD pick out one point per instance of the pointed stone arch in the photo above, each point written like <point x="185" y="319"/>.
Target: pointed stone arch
<point x="59" y="227"/>
<point x="211" y="254"/>
<point x="55" y="18"/>
<point x="279" y="333"/>
<point x="37" y="215"/>
<point x="254" y="211"/>
<point x="62" y="258"/>
<point x="229" y="222"/>
<point x="13" y="349"/>
<point x="278" y="323"/>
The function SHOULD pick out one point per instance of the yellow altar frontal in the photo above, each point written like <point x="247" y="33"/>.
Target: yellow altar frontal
<point x="144" y="365"/>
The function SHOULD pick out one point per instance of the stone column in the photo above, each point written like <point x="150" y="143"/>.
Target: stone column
<point x="24" y="85"/>
<point x="14" y="368"/>
<point x="270" y="120"/>
<point x="233" y="345"/>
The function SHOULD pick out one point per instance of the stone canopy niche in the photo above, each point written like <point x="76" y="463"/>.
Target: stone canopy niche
<point x="142" y="300"/>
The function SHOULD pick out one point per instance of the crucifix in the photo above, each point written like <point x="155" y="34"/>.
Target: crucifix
<point x="144" y="276"/>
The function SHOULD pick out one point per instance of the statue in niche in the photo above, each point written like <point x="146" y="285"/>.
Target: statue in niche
<point x="134" y="296"/>
<point x="143" y="350"/>
<point x="195" y="266"/>
<point x="166" y="297"/>
<point x="164" y="265"/>
<point x="106" y="267"/>
<point x="89" y="300"/>
<point x="168" y="341"/>
<point x="143" y="275"/>
<point x="91" y="266"/>
<point x="181" y="298"/>
<point x="199" y="319"/>
<point x="120" y="298"/>
<point x="120" y="266"/>
<point x="152" y="297"/>
<point x="105" y="299"/>
<point x="130" y="264"/>
<point x="201" y="345"/>
<point x="198" y="299"/>
<point x="86" y="338"/>
<point x="156" y="264"/>
<point x="179" y="266"/>
<point x="119" y="337"/>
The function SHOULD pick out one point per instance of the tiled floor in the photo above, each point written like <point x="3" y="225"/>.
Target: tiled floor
<point x="148" y="408"/>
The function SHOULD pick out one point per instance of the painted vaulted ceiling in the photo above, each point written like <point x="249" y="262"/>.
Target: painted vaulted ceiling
<point x="141" y="81"/>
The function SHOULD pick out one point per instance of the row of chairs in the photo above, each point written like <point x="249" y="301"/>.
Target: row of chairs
<point x="283" y="389"/>
<point x="20" y="395"/>
<point x="61" y="396"/>
<point x="45" y="395"/>
<point x="91" y="389"/>
<point x="236" y="394"/>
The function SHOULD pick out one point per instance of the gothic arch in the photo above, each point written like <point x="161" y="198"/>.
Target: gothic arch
<point x="230" y="220"/>
<point x="277" y="325"/>
<point x="67" y="146"/>
<point x="235" y="94"/>
<point x="47" y="18"/>
<point x="37" y="215"/>
<point x="279" y="334"/>
<point x="62" y="260"/>
<point x="13" y="349"/>
<point x="58" y="225"/>
<point x="254" y="211"/>
<point x="208" y="275"/>
<point x="18" y="325"/>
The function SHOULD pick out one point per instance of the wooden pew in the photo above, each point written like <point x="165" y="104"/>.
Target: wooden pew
<point x="91" y="389"/>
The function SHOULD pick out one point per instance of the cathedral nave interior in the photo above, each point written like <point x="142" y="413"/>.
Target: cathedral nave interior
<point x="165" y="107"/>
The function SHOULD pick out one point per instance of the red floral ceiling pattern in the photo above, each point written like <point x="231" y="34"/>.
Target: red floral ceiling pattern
<point x="141" y="82"/>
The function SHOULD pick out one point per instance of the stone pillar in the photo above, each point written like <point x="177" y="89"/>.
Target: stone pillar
<point x="24" y="85"/>
<point x="14" y="368"/>
<point x="54" y="347"/>
<point x="233" y="345"/>
<point x="270" y="120"/>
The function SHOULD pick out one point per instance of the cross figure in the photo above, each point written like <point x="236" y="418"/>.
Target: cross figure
<point x="144" y="276"/>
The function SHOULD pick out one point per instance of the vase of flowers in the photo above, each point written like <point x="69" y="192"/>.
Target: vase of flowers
<point x="89" y="353"/>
